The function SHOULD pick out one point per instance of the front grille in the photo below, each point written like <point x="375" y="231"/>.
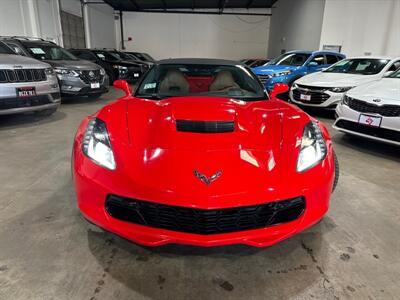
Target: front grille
<point x="264" y="78"/>
<point x="205" y="126"/>
<point x="22" y="75"/>
<point x="383" y="133"/>
<point x="204" y="221"/>
<point x="312" y="88"/>
<point x="91" y="76"/>
<point x="383" y="110"/>
<point x="9" y="103"/>
<point x="316" y="97"/>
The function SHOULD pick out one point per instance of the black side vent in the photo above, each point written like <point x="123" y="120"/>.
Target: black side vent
<point x="205" y="126"/>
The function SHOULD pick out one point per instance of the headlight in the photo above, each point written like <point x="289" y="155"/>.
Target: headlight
<point x="313" y="148"/>
<point x="96" y="144"/>
<point x="102" y="72"/>
<point x="49" y="71"/>
<point x="294" y="86"/>
<point x="67" y="72"/>
<point x="283" y="73"/>
<point x="341" y="89"/>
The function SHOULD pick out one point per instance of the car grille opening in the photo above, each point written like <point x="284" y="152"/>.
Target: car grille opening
<point x="205" y="126"/>
<point x="91" y="76"/>
<point x="316" y="97"/>
<point x="22" y="75"/>
<point x="204" y="221"/>
<point x="383" y="110"/>
<point x="383" y="133"/>
<point x="9" y="103"/>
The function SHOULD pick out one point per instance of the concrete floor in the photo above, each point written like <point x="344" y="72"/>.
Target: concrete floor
<point x="47" y="251"/>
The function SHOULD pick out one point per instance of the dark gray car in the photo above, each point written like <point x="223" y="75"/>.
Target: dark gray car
<point x="76" y="77"/>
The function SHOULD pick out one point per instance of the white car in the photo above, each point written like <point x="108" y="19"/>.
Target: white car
<point x="372" y="110"/>
<point x="325" y="89"/>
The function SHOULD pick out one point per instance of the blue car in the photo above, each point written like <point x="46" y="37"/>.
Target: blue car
<point x="292" y="65"/>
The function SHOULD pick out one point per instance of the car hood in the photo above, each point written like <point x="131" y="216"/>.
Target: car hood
<point x="271" y="69"/>
<point x="387" y="90"/>
<point x="158" y="160"/>
<point x="325" y="79"/>
<point x="73" y="64"/>
<point x="10" y="61"/>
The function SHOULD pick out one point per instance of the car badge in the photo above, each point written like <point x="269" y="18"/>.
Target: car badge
<point x="91" y="74"/>
<point x="207" y="180"/>
<point x="376" y="100"/>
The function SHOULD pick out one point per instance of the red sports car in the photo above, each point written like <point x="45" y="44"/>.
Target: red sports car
<point x="200" y="154"/>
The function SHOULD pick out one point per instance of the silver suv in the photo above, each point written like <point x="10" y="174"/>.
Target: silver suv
<point x="76" y="77"/>
<point x="26" y="85"/>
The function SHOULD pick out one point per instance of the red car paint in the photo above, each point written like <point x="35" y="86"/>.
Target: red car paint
<point x="155" y="163"/>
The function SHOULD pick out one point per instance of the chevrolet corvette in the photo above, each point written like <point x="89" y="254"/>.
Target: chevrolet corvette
<point x="201" y="154"/>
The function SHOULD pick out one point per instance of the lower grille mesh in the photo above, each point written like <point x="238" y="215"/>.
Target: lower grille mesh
<point x="202" y="221"/>
<point x="387" y="134"/>
<point x="9" y="103"/>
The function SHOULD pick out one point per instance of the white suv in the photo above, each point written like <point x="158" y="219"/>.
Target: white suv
<point x="325" y="89"/>
<point x="26" y="85"/>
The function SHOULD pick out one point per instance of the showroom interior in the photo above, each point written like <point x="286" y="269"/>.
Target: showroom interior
<point x="199" y="149"/>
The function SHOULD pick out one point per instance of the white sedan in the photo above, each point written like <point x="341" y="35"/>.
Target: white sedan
<point x="325" y="89"/>
<point x="372" y="110"/>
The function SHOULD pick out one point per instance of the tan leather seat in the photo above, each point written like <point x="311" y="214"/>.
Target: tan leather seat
<point x="174" y="81"/>
<point x="223" y="81"/>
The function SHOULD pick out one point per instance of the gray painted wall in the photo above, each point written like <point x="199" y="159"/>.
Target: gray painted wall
<point x="295" y="25"/>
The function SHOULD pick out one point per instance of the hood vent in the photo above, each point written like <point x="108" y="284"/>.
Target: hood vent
<point x="205" y="126"/>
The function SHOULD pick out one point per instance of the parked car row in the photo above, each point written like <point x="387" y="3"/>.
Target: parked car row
<point x="35" y="73"/>
<point x="364" y="91"/>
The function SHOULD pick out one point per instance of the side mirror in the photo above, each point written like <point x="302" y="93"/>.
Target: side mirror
<point x="279" y="88"/>
<point x="123" y="85"/>
<point x="313" y="64"/>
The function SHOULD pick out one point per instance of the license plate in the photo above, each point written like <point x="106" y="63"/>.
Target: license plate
<point x="26" y="91"/>
<point x="95" y="85"/>
<point x="370" y="120"/>
<point x="136" y="75"/>
<point x="305" y="97"/>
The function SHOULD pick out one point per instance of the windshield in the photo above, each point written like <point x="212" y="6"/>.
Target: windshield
<point x="121" y="55"/>
<point x="395" y="74"/>
<point x="200" y="80"/>
<point x="5" y="50"/>
<point x="361" y="66"/>
<point x="144" y="56"/>
<point x="104" y="55"/>
<point x="49" y="52"/>
<point x="290" y="59"/>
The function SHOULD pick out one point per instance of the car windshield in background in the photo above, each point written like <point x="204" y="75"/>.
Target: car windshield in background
<point x="143" y="56"/>
<point x="395" y="74"/>
<point x="49" y="52"/>
<point x="178" y="80"/>
<point x="361" y="66"/>
<point x="5" y="50"/>
<point x="290" y="59"/>
<point x="104" y="55"/>
<point x="121" y="55"/>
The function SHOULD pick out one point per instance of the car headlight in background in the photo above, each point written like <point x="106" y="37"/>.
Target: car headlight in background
<point x="120" y="67"/>
<point x="341" y="89"/>
<point x="96" y="144"/>
<point x="102" y="72"/>
<point x="49" y="71"/>
<point x="283" y="73"/>
<point x="294" y="86"/>
<point x="67" y="72"/>
<point x="313" y="147"/>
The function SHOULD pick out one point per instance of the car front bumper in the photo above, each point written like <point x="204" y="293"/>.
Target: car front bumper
<point x="348" y="122"/>
<point x="47" y="97"/>
<point x="322" y="99"/>
<point x="94" y="184"/>
<point x="75" y="86"/>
